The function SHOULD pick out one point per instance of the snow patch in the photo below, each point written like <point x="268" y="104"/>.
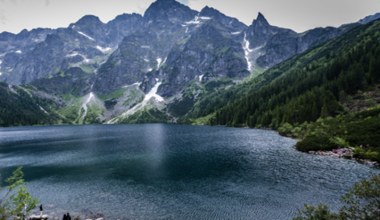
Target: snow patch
<point x="247" y="52"/>
<point x="85" y="35"/>
<point x="146" y="60"/>
<point x="159" y="62"/>
<point x="18" y="52"/>
<point x="73" y="54"/>
<point x="138" y="84"/>
<point x="86" y="60"/>
<point x="201" y="78"/>
<point x="205" y="18"/>
<point x="145" y="46"/>
<point x="0" y="67"/>
<point x="153" y="94"/>
<point x="42" y="109"/>
<point x="89" y="98"/>
<point x="236" y="33"/>
<point x="103" y="49"/>
<point x="197" y="20"/>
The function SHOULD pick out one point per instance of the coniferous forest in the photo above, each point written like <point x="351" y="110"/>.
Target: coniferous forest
<point x="317" y="85"/>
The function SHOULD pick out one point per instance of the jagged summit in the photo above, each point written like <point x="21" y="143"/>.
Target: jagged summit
<point x="161" y="6"/>
<point x="124" y="16"/>
<point x="230" y="22"/>
<point x="370" y="18"/>
<point x="260" y="20"/>
<point x="89" y="19"/>
<point x="163" y="11"/>
<point x="209" y="11"/>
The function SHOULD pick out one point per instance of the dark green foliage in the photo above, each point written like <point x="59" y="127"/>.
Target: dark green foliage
<point x="19" y="107"/>
<point x="362" y="202"/>
<point x="316" y="142"/>
<point x="151" y="114"/>
<point x="321" y="212"/>
<point x="17" y="200"/>
<point x="309" y="86"/>
<point x="74" y="82"/>
<point x="358" y="130"/>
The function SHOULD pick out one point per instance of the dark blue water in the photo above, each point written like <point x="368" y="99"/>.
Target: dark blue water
<point x="173" y="171"/>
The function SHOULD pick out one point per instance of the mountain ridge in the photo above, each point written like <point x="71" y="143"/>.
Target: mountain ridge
<point x="171" y="52"/>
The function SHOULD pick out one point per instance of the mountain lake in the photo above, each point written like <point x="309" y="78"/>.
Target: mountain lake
<point x="157" y="171"/>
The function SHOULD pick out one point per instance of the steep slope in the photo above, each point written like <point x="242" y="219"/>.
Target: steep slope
<point x="173" y="63"/>
<point x="311" y="96"/>
<point x="311" y="85"/>
<point x="146" y="50"/>
<point x="86" y="44"/>
<point x="268" y="45"/>
<point x="24" y="106"/>
<point x="209" y="53"/>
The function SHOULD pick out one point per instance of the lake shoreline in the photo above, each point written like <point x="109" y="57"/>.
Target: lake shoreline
<point x="169" y="171"/>
<point x="331" y="153"/>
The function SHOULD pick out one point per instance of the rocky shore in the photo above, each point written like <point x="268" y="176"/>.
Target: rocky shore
<point x="346" y="153"/>
<point x="52" y="213"/>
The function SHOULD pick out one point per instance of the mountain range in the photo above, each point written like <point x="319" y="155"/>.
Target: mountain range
<point x="167" y="65"/>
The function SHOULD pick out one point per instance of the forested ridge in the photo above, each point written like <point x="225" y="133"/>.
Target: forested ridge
<point x="18" y="106"/>
<point x="310" y="96"/>
<point x="311" y="85"/>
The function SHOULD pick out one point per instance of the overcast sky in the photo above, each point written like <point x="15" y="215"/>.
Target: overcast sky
<point x="299" y="15"/>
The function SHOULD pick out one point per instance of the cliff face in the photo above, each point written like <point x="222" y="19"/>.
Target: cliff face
<point x="171" y="49"/>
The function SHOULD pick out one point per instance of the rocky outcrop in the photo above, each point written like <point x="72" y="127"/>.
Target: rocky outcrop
<point x="271" y="45"/>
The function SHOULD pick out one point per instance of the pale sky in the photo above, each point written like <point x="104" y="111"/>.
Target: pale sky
<point x="299" y="15"/>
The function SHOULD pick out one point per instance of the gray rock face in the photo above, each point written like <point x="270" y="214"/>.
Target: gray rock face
<point x="210" y="52"/>
<point x="43" y="53"/>
<point x="73" y="81"/>
<point x="145" y="50"/>
<point x="271" y="45"/>
<point x="230" y="23"/>
<point x="370" y="18"/>
<point x="164" y="52"/>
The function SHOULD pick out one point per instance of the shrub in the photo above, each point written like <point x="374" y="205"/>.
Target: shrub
<point x="17" y="201"/>
<point x="315" y="142"/>
<point x="362" y="202"/>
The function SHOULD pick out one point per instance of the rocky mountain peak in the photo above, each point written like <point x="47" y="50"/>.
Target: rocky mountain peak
<point x="124" y="17"/>
<point x="370" y="18"/>
<point x="88" y="20"/>
<point x="229" y="22"/>
<point x="169" y="10"/>
<point x="209" y="11"/>
<point x="260" y="21"/>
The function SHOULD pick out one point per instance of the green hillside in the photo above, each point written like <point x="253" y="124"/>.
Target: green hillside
<point x="316" y="84"/>
<point x="19" y="106"/>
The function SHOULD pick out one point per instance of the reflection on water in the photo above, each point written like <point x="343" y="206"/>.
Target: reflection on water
<point x="173" y="172"/>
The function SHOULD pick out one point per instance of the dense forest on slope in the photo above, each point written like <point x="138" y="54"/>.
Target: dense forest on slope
<point x="18" y="106"/>
<point x="359" y="131"/>
<point x="327" y="97"/>
<point x="311" y="85"/>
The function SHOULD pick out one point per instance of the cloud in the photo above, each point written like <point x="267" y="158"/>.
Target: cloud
<point x="47" y="3"/>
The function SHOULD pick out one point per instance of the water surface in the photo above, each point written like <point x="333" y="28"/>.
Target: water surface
<point x="157" y="171"/>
